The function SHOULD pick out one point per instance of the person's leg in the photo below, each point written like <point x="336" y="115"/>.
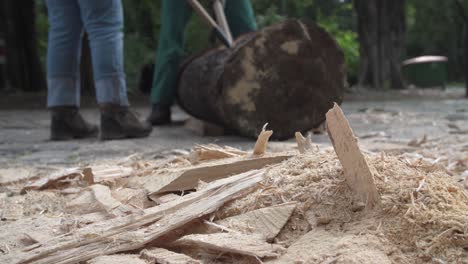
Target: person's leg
<point x="63" y="53"/>
<point x="103" y="21"/>
<point x="63" y="74"/>
<point x="240" y="16"/>
<point x="175" y="15"/>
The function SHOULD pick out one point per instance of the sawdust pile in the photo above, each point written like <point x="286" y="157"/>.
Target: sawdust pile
<point x="224" y="205"/>
<point x="423" y="215"/>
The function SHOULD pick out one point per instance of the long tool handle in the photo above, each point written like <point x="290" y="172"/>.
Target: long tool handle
<point x="218" y="7"/>
<point x="207" y="18"/>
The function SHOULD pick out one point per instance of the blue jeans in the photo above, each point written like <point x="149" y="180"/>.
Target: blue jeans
<point x="103" y="21"/>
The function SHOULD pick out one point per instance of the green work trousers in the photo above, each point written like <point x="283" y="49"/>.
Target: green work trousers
<point x="175" y="16"/>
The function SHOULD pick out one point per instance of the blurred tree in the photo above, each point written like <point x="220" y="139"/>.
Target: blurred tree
<point x="381" y="28"/>
<point x="24" y="69"/>
<point x="463" y="9"/>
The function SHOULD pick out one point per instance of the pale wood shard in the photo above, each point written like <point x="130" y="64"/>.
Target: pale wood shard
<point x="266" y="222"/>
<point x="188" y="179"/>
<point x="164" y="256"/>
<point x="85" y="203"/>
<point x="110" y="173"/>
<point x="212" y="152"/>
<point x="135" y="231"/>
<point x="357" y="173"/>
<point x="262" y="141"/>
<point x="134" y="197"/>
<point x="104" y="197"/>
<point x="303" y="143"/>
<point x="46" y="182"/>
<point x="118" y="259"/>
<point x="164" y="198"/>
<point x="250" y="245"/>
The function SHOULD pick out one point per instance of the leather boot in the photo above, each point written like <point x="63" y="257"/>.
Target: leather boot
<point x="118" y="122"/>
<point x="67" y="123"/>
<point x="160" y="115"/>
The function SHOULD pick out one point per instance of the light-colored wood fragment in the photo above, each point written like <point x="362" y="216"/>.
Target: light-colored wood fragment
<point x="164" y="198"/>
<point x="356" y="170"/>
<point x="104" y="197"/>
<point x="118" y="259"/>
<point x="134" y="197"/>
<point x="85" y="203"/>
<point x="262" y="141"/>
<point x="250" y="245"/>
<point x="110" y="173"/>
<point x="187" y="179"/>
<point x="49" y="181"/>
<point x="164" y="256"/>
<point x="304" y="144"/>
<point x="266" y="222"/>
<point x="135" y="231"/>
<point x="212" y="152"/>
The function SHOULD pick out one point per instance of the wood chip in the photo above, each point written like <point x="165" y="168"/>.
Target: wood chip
<point x="250" y="245"/>
<point x="266" y="222"/>
<point x="85" y="203"/>
<point x="212" y="152"/>
<point x="262" y="141"/>
<point x="133" y="232"/>
<point x="118" y="259"/>
<point x="356" y="170"/>
<point x="164" y="256"/>
<point x="304" y="144"/>
<point x="164" y="198"/>
<point x="110" y="173"/>
<point x="136" y="198"/>
<point x="104" y="197"/>
<point x="53" y="179"/>
<point x="188" y="179"/>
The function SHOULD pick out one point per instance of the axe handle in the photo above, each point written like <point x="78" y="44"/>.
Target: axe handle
<point x="218" y="7"/>
<point x="200" y="10"/>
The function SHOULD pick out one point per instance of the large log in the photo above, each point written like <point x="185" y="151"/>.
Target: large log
<point x="287" y="75"/>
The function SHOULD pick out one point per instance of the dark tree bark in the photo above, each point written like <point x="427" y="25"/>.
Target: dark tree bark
<point x="288" y="75"/>
<point x="381" y="28"/>
<point x="23" y="64"/>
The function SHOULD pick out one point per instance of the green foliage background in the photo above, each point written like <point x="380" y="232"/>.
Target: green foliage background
<point x="434" y="27"/>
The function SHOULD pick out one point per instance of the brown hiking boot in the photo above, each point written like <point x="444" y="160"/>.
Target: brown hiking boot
<point x="118" y="122"/>
<point x="67" y="123"/>
<point x="160" y="115"/>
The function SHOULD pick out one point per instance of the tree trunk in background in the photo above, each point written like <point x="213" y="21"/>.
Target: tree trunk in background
<point x="288" y="75"/>
<point x="466" y="58"/>
<point x="86" y="69"/>
<point x="24" y="70"/>
<point x="381" y="28"/>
